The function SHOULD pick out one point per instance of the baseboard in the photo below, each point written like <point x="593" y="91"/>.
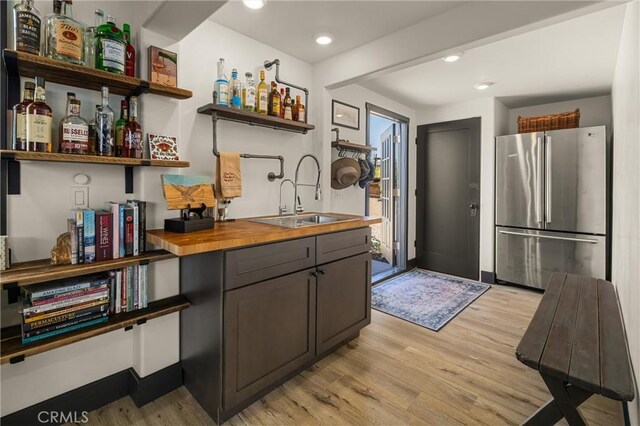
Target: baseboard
<point x="72" y="406"/>
<point x="488" y="277"/>
<point x="411" y="263"/>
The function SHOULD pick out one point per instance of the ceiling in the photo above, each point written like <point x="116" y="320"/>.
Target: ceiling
<point x="291" y="26"/>
<point x="575" y="58"/>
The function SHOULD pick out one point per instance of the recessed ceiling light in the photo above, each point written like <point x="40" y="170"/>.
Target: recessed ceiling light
<point x="324" y="39"/>
<point x="254" y="4"/>
<point x="452" y="57"/>
<point x="484" y="85"/>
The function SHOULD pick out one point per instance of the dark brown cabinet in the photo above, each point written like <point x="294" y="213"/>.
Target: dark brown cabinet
<point x="344" y="300"/>
<point x="270" y="331"/>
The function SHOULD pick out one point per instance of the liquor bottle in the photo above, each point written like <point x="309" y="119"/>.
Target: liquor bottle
<point x="90" y="39"/>
<point x="298" y="111"/>
<point x="235" y="87"/>
<point x="92" y="133"/>
<point x="288" y="106"/>
<point x="26" y="27"/>
<point x="70" y="95"/>
<point x="74" y="130"/>
<point x="249" y="93"/>
<point x="222" y="86"/>
<point x="110" y="47"/>
<point x="39" y="118"/>
<point x="130" y="53"/>
<point x="64" y="35"/>
<point x="282" y="102"/>
<point x="275" y="102"/>
<point x="19" y="139"/>
<point x="119" y="128"/>
<point x="104" y="126"/>
<point x="262" y="104"/>
<point x="133" y="132"/>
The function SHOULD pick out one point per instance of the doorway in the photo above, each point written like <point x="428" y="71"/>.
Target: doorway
<point x="448" y="197"/>
<point x="386" y="196"/>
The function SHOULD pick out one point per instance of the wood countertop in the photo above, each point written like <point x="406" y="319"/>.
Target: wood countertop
<point x="244" y="232"/>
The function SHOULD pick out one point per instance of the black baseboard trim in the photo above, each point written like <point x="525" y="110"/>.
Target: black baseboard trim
<point x="411" y="263"/>
<point x="488" y="277"/>
<point x="72" y="406"/>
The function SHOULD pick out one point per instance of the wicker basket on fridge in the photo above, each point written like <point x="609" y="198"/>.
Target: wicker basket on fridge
<point x="541" y="123"/>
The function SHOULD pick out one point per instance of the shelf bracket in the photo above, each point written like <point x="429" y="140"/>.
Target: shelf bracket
<point x="141" y="321"/>
<point x="13" y="292"/>
<point x="127" y="328"/>
<point x="128" y="179"/>
<point x="16" y="359"/>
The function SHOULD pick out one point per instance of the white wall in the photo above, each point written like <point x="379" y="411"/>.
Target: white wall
<point x="594" y="111"/>
<point x="626" y="186"/>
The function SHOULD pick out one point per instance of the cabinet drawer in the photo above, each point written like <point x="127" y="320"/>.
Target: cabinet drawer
<point x="254" y="264"/>
<point x="339" y="245"/>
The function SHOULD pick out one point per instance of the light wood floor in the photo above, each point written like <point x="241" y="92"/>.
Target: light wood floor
<point x="398" y="373"/>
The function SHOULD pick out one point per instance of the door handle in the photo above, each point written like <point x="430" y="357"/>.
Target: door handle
<point x="551" y="237"/>
<point x="538" y="195"/>
<point x="314" y="274"/>
<point x="321" y="271"/>
<point x="548" y="180"/>
<point x="474" y="209"/>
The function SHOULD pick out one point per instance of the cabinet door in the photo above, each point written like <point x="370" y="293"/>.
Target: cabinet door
<point x="269" y="332"/>
<point x="344" y="299"/>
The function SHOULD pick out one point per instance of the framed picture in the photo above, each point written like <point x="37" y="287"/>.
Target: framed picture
<point x="345" y="115"/>
<point x="163" y="67"/>
<point x="163" y="147"/>
<point x="182" y="191"/>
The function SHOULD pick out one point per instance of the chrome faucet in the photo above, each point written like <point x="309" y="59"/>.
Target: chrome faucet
<point x="296" y="200"/>
<point x="282" y="209"/>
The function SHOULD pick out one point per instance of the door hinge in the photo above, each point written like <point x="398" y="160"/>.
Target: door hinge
<point x="396" y="139"/>
<point x="416" y="141"/>
<point x="415" y="192"/>
<point x="396" y="245"/>
<point x="396" y="192"/>
<point x="415" y="244"/>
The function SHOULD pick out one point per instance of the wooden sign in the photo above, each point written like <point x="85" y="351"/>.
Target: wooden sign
<point x="182" y="191"/>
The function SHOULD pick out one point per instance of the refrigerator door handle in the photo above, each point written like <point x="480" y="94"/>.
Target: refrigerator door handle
<point x="551" y="237"/>
<point x="548" y="185"/>
<point x="539" y="211"/>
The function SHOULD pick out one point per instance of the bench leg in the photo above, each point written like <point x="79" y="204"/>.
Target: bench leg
<point x="564" y="403"/>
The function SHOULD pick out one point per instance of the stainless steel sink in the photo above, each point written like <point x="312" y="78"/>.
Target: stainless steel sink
<point x="300" y="220"/>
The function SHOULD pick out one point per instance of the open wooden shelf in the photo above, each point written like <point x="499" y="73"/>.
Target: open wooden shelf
<point x="39" y="271"/>
<point x="254" y="119"/>
<point x="342" y="144"/>
<point x="12" y="350"/>
<point x="55" y="71"/>
<point x="90" y="159"/>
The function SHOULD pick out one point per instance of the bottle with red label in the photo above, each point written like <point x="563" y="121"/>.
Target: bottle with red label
<point x="133" y="132"/>
<point x="130" y="53"/>
<point x="74" y="130"/>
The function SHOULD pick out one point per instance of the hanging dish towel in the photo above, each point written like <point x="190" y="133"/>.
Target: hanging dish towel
<point x="228" y="176"/>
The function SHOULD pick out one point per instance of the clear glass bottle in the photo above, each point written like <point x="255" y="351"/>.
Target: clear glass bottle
<point x="249" y="93"/>
<point x="104" y="126"/>
<point x="90" y="39"/>
<point x="262" y="104"/>
<point x="26" y="27"/>
<point x="73" y="131"/>
<point x="288" y="106"/>
<point x="130" y="53"/>
<point x="64" y="35"/>
<point x="119" y="128"/>
<point x="235" y="86"/>
<point x="133" y="132"/>
<point x="222" y="86"/>
<point x="39" y="118"/>
<point x="110" y="47"/>
<point x="19" y="137"/>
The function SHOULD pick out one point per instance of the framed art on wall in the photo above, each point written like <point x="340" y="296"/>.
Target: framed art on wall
<point x="345" y="115"/>
<point x="163" y="67"/>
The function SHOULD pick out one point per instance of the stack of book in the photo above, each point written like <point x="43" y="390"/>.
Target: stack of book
<point x="117" y="231"/>
<point x="129" y="288"/>
<point x="59" y="307"/>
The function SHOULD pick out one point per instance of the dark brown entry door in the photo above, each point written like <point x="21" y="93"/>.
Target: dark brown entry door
<point x="448" y="183"/>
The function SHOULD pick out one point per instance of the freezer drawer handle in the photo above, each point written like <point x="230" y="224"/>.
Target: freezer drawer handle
<point x="549" y="237"/>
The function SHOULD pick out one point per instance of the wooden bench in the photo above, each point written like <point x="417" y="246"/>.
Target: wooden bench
<point x="577" y="343"/>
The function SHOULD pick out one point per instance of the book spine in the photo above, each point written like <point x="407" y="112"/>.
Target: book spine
<point x="89" y="218"/>
<point x="73" y="239"/>
<point x="136" y="287"/>
<point x="121" y="242"/>
<point x="67" y="296"/>
<point x="37" y="316"/>
<point x="129" y="288"/>
<point x="115" y="228"/>
<point x="104" y="235"/>
<point x="41" y="309"/>
<point x="124" y="289"/>
<point x="64" y="330"/>
<point x="142" y="212"/>
<point x="52" y="292"/>
<point x="118" y="300"/>
<point x="80" y="234"/>
<point x="64" y="325"/>
<point x="144" y="285"/>
<point x="129" y="232"/>
<point x="112" y="292"/>
<point x="27" y="326"/>
<point x="136" y="229"/>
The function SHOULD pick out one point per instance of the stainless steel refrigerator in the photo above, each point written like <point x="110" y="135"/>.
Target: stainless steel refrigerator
<point x="551" y="205"/>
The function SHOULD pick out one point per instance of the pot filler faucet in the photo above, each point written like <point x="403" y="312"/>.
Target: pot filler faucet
<point x="296" y="200"/>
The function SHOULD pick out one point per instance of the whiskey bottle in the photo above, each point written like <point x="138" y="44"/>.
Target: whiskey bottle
<point x="26" y="27"/>
<point x="90" y="39"/>
<point x="275" y="101"/>
<point x="249" y="93"/>
<point x="288" y="106"/>
<point x="119" y="128"/>
<point x="104" y="126"/>
<point x="64" y="35"/>
<point x="222" y="86"/>
<point x="130" y="53"/>
<point x="298" y="111"/>
<point x="133" y="132"/>
<point x="110" y="47"/>
<point x="74" y="130"/>
<point x="19" y="140"/>
<point x="282" y="102"/>
<point x="262" y="104"/>
<point x="39" y="118"/>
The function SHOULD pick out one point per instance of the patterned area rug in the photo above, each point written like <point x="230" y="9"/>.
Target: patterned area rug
<point x="425" y="298"/>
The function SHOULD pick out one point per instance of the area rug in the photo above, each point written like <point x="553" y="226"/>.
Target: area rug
<point x="425" y="298"/>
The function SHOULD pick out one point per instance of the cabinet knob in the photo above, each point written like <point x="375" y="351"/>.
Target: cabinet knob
<point x="321" y="271"/>
<point x="314" y="274"/>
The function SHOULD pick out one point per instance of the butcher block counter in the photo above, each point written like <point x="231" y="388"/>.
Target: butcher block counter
<point x="267" y="302"/>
